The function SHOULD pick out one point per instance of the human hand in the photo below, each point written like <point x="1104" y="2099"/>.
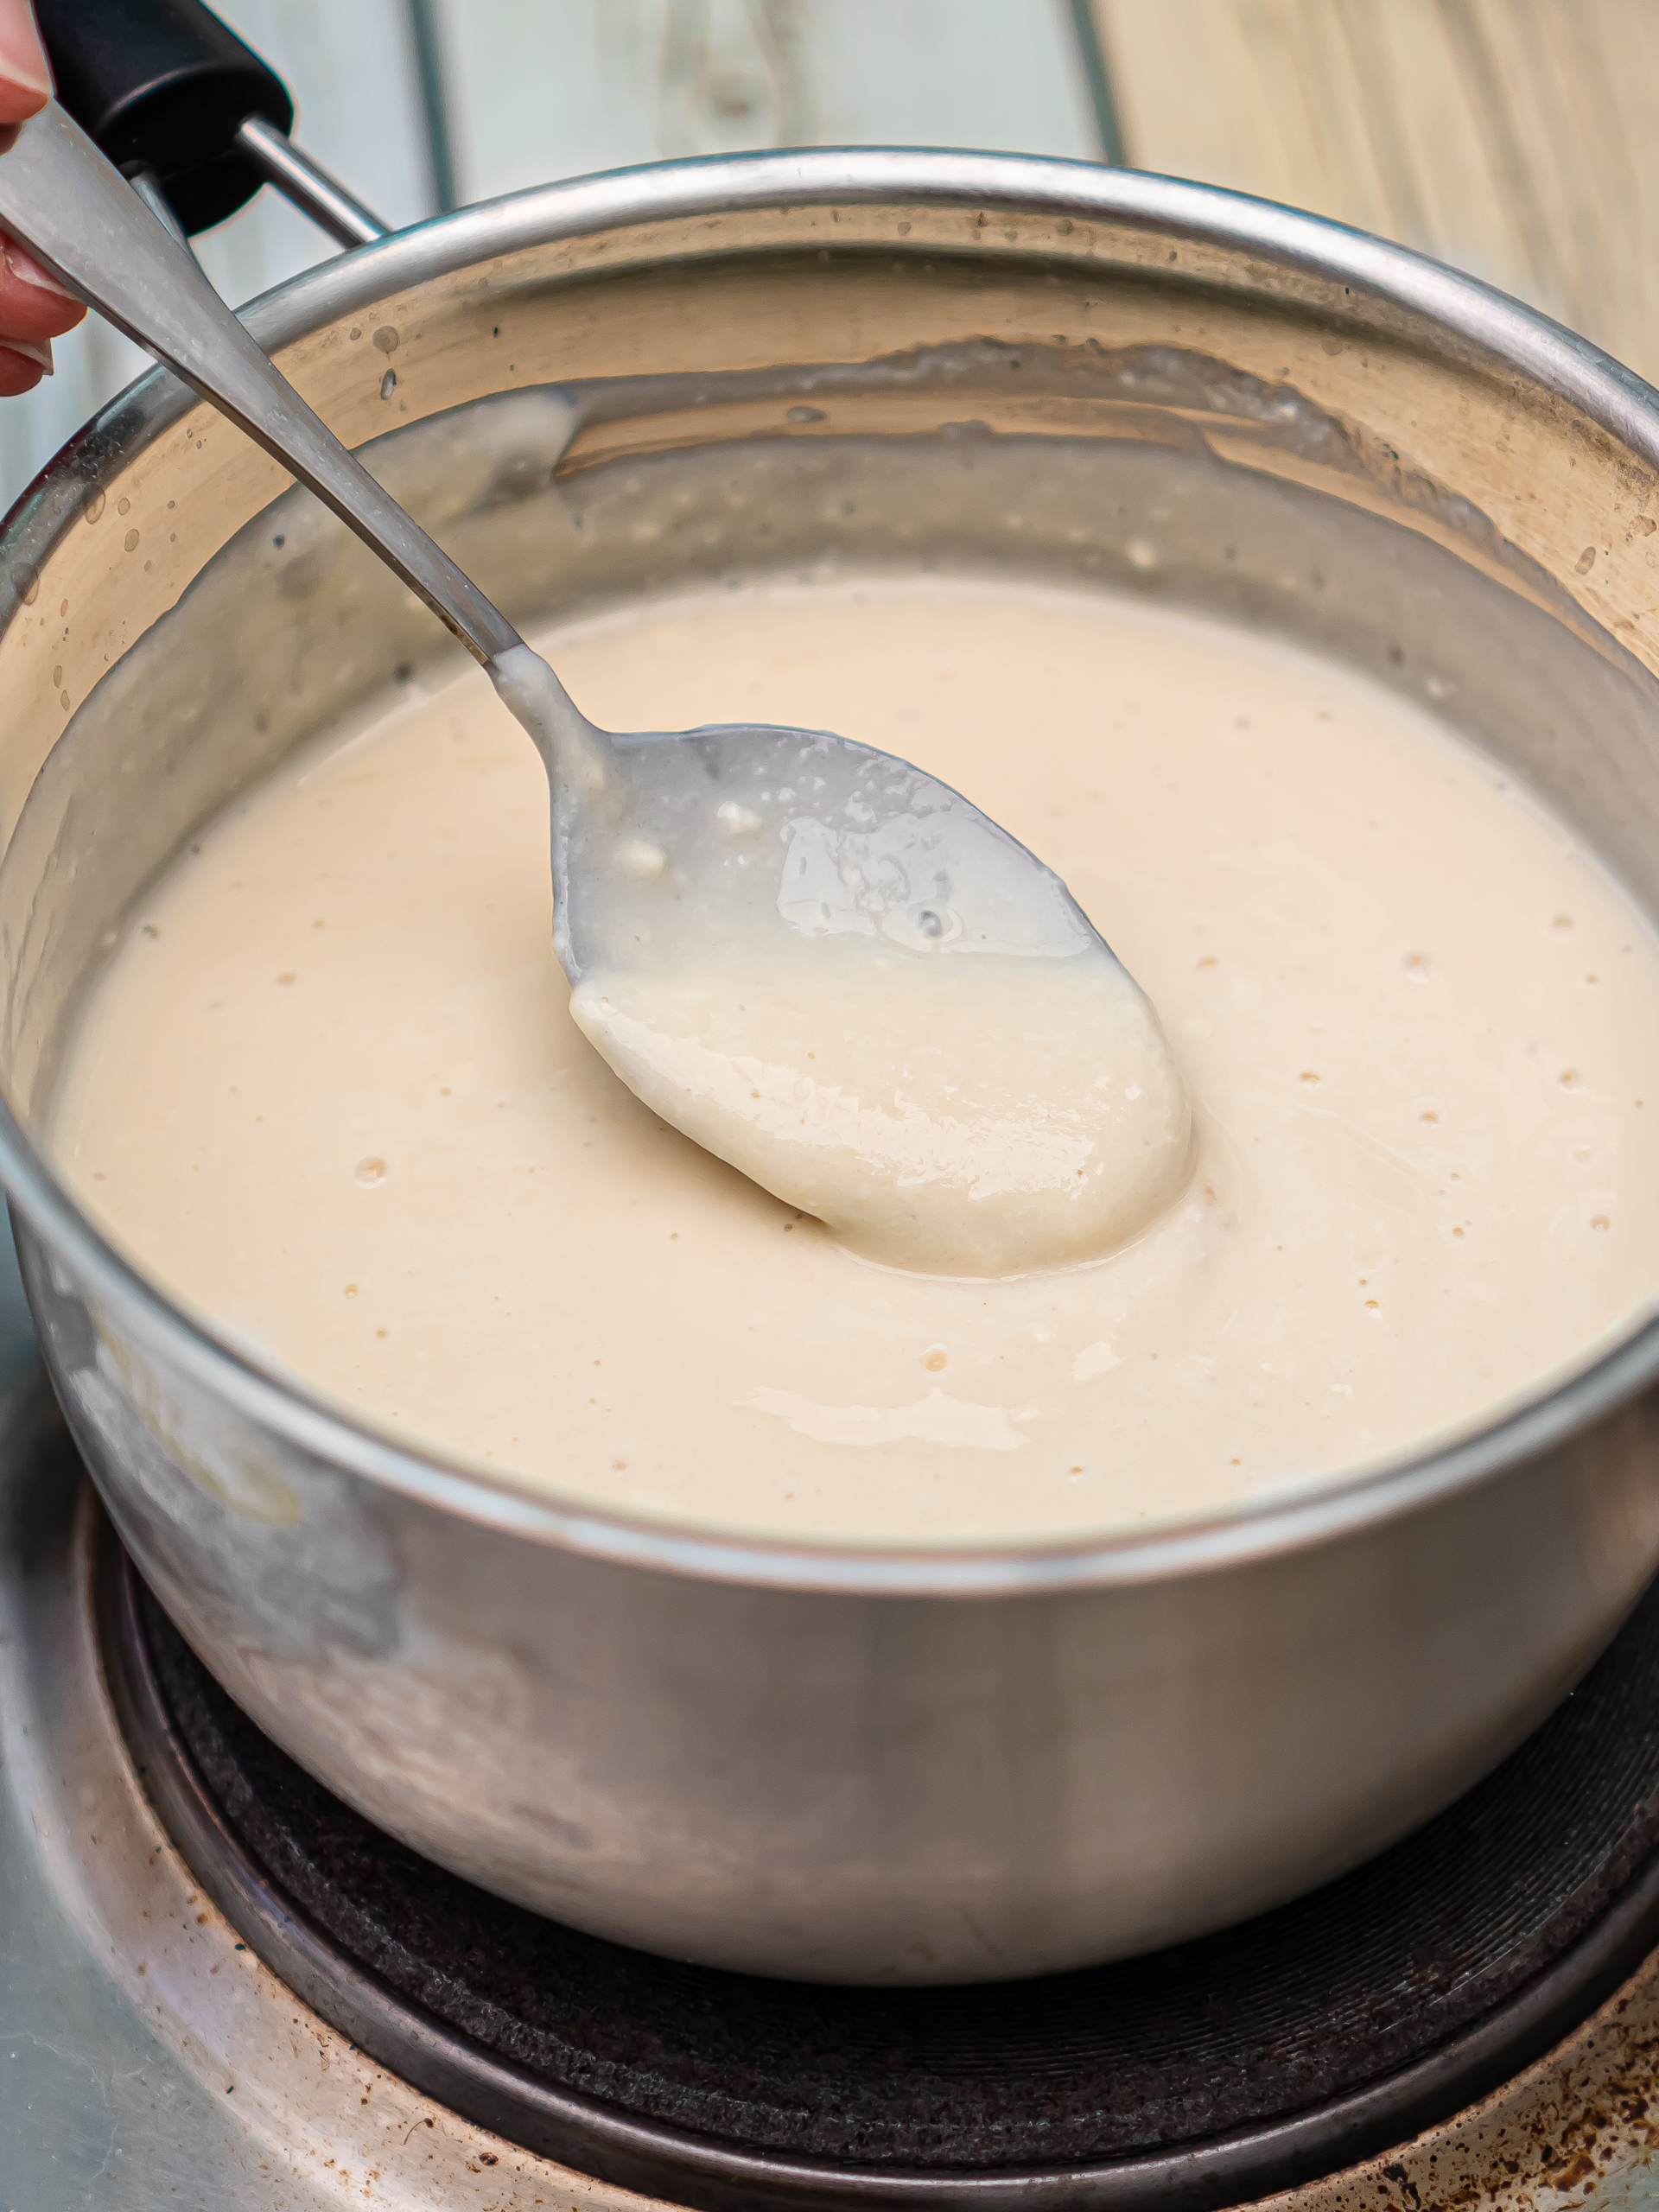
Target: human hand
<point x="33" y="307"/>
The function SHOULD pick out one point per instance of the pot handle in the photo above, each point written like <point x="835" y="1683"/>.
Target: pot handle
<point x="188" y="114"/>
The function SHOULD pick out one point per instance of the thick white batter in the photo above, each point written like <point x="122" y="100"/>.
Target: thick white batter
<point x="329" y="1092"/>
<point x="982" y="1116"/>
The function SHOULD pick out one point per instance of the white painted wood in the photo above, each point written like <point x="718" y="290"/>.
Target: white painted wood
<point x="540" y="89"/>
<point x="350" y="64"/>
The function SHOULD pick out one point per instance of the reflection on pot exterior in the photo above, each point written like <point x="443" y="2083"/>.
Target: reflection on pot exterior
<point x="287" y="1556"/>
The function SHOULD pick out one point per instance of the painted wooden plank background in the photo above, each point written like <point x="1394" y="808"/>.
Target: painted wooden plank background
<point x="584" y="84"/>
<point x="1517" y="138"/>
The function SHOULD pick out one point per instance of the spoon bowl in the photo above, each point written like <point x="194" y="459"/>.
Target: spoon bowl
<point x="618" y="800"/>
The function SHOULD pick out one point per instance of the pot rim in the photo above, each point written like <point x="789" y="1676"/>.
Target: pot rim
<point x="1480" y="322"/>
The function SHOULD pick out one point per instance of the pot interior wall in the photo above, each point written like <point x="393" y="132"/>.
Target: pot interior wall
<point x="1188" y="483"/>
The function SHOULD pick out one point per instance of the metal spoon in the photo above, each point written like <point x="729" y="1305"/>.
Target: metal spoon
<point x="712" y="831"/>
<point x="720" y="859"/>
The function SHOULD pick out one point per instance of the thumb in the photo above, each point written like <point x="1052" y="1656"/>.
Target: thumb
<point x="25" y="78"/>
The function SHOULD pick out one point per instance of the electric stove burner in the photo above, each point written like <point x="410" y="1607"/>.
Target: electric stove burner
<point x="1207" y="2074"/>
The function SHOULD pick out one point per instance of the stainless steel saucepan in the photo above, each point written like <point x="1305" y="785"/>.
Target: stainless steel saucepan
<point x="831" y="1761"/>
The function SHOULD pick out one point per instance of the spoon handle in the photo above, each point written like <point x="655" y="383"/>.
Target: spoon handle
<point x="78" y="216"/>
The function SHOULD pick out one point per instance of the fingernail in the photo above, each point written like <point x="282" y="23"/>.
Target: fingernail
<point x="24" y="267"/>
<point x="38" y="350"/>
<point x="22" y="57"/>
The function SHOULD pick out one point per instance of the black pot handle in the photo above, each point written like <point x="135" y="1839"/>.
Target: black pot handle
<point x="171" y="96"/>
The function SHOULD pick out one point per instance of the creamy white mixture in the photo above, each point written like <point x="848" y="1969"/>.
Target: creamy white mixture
<point x="981" y="1116"/>
<point x="329" y="1091"/>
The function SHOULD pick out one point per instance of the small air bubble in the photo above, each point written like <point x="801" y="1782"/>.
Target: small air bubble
<point x="370" y="1172"/>
<point x="937" y="1359"/>
<point x="1600" y="1221"/>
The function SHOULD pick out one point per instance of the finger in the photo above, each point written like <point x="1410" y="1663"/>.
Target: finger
<point x="20" y="371"/>
<point x="25" y="78"/>
<point x="33" y="305"/>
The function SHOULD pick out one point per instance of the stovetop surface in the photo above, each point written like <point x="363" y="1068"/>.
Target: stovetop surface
<point x="1221" y="2067"/>
<point x="149" y="2059"/>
